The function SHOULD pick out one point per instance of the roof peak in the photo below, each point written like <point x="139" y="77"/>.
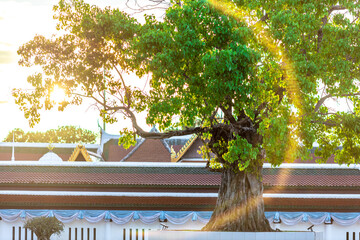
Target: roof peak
<point x="50" y="157"/>
<point x="154" y="129"/>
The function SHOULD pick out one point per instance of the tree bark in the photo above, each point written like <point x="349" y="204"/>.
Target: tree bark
<point x="240" y="206"/>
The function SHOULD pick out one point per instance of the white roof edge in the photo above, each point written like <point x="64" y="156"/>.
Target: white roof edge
<point x="170" y="164"/>
<point x="102" y="164"/>
<point x="45" y="145"/>
<point x="313" y="166"/>
<point x="107" y="194"/>
<point x="188" y="136"/>
<point x="173" y="194"/>
<point x="311" y="196"/>
<point x="193" y="159"/>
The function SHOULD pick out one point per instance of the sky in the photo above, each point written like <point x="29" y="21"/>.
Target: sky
<point x="20" y="21"/>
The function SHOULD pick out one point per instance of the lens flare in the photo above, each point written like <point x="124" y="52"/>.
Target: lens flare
<point x="57" y="94"/>
<point x="264" y="37"/>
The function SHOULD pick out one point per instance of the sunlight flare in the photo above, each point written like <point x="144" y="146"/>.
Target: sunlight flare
<point x="58" y="94"/>
<point x="264" y="37"/>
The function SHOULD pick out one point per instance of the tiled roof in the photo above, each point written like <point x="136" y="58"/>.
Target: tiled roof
<point x="109" y="178"/>
<point x="311" y="177"/>
<point x="311" y="204"/>
<point x="112" y="152"/>
<point x="104" y="178"/>
<point x="145" y="150"/>
<point x="149" y="150"/>
<point x="108" y="175"/>
<point x="273" y="202"/>
<point x="171" y="176"/>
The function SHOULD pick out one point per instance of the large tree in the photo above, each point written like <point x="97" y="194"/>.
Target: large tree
<point x="268" y="67"/>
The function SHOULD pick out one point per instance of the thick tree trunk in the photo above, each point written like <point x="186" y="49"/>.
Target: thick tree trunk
<point x="240" y="206"/>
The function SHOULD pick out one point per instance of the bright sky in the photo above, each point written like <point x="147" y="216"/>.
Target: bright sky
<point x="20" y="20"/>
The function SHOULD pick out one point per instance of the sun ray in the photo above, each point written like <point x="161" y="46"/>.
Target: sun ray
<point x="264" y="37"/>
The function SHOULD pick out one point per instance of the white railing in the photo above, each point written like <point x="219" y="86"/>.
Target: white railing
<point x="17" y="232"/>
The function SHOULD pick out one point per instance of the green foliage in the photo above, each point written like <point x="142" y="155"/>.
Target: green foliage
<point x="63" y="134"/>
<point x="127" y="139"/>
<point x="267" y="67"/>
<point x="196" y="56"/>
<point x="44" y="227"/>
<point x="242" y="151"/>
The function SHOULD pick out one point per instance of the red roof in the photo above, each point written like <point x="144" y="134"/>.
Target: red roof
<point x="166" y="177"/>
<point x="149" y="150"/>
<point x="179" y="174"/>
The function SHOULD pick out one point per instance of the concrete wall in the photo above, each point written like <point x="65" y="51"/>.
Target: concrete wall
<point x="197" y="235"/>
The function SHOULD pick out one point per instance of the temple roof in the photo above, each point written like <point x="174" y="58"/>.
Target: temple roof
<point x="34" y="151"/>
<point x="186" y="149"/>
<point x="187" y="186"/>
<point x="81" y="154"/>
<point x="145" y="150"/>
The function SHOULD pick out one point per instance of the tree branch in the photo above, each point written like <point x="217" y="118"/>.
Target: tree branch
<point x="213" y="116"/>
<point x="127" y="95"/>
<point x="327" y="123"/>
<point x="325" y="20"/>
<point x="336" y="8"/>
<point x="322" y="100"/>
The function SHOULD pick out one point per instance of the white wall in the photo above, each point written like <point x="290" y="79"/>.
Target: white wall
<point x="104" y="230"/>
<point x="199" y="235"/>
<point x="113" y="231"/>
<point x="330" y="231"/>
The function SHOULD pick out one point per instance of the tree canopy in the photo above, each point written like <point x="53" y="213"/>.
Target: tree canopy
<point x="268" y="67"/>
<point x="63" y="134"/>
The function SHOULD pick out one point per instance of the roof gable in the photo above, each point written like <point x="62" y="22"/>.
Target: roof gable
<point x="80" y="154"/>
<point x="184" y="149"/>
<point x="149" y="150"/>
<point x="190" y="151"/>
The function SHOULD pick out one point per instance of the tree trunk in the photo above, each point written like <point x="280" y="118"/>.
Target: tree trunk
<point x="240" y="206"/>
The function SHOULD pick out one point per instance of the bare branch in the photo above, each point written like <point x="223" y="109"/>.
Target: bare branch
<point x="329" y="113"/>
<point x="264" y="18"/>
<point x="119" y="73"/>
<point x="322" y="100"/>
<point x="228" y="114"/>
<point x="327" y="123"/>
<point x="213" y="116"/>
<point x="125" y="87"/>
<point x="155" y="4"/>
<point x="336" y="8"/>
